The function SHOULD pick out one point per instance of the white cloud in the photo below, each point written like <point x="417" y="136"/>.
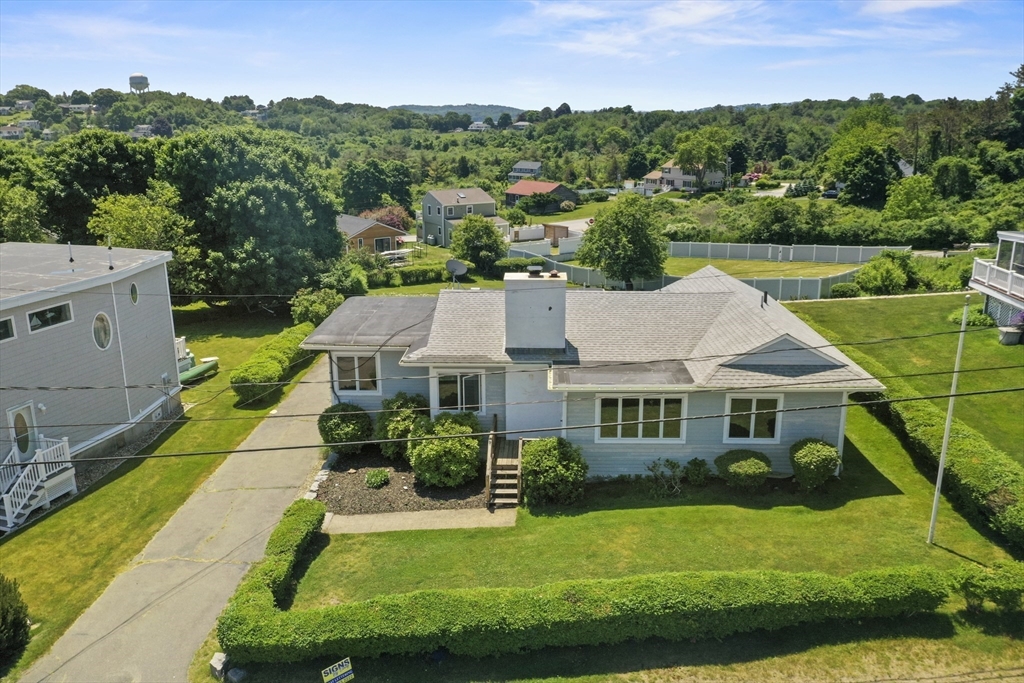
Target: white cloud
<point x="890" y="7"/>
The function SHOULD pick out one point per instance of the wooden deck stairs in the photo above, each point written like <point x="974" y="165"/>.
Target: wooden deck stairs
<point x="504" y="480"/>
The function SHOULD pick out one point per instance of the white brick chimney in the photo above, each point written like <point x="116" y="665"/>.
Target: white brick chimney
<point x="535" y="310"/>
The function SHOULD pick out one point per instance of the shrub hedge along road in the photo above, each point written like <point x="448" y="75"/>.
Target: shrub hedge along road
<point x="489" y="621"/>
<point x="270" y="362"/>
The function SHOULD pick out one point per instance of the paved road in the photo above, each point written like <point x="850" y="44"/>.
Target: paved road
<point x="153" y="617"/>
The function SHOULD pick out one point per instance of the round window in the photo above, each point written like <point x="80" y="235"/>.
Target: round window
<point x="101" y="331"/>
<point x="133" y="292"/>
<point x="21" y="432"/>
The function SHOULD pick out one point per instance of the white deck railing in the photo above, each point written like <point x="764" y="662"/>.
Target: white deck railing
<point x="54" y="456"/>
<point x="8" y="471"/>
<point x="987" y="273"/>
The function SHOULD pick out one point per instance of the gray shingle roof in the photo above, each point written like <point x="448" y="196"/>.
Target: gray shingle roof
<point x="375" y="321"/>
<point x="353" y="225"/>
<point x="531" y="165"/>
<point x="472" y="195"/>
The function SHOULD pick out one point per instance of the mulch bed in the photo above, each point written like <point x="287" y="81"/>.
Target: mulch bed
<point x="345" y="492"/>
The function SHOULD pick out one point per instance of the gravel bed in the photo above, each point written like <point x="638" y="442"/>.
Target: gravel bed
<point x="344" y="491"/>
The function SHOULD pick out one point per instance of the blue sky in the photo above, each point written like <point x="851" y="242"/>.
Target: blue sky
<point x="651" y="54"/>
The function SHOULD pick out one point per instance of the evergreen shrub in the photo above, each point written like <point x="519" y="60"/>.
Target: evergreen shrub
<point x="397" y="420"/>
<point x="554" y="472"/>
<point x="14" y="626"/>
<point x="814" y="462"/>
<point x="744" y="469"/>
<point x="344" y="422"/>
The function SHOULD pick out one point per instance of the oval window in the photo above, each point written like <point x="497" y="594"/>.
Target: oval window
<point x="101" y="331"/>
<point x="21" y="432"/>
<point x="133" y="292"/>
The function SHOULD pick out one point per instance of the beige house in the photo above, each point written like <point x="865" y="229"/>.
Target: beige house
<point x="672" y="177"/>
<point x="366" y="233"/>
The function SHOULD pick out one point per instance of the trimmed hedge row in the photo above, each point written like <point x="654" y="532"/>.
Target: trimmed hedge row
<point x="489" y="621"/>
<point x="517" y="264"/>
<point x="421" y="275"/>
<point x="269" y="363"/>
<point x="985" y="483"/>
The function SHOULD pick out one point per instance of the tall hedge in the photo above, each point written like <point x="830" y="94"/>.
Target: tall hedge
<point x="983" y="482"/>
<point x="554" y="471"/>
<point x="489" y="621"/>
<point x="271" y="362"/>
<point x="14" y="626"/>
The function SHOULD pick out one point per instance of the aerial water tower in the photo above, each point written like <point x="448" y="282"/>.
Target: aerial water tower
<point x="138" y="83"/>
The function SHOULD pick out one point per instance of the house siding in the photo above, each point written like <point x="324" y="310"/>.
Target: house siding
<point x="374" y="232"/>
<point x="396" y="378"/>
<point x="704" y="437"/>
<point x="66" y="355"/>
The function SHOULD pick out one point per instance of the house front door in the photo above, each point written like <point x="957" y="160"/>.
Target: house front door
<point x="22" y="423"/>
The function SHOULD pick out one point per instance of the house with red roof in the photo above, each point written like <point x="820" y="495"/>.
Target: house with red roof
<point x="525" y="188"/>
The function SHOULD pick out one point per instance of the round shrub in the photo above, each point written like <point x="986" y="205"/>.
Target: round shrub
<point x="814" y="462"/>
<point x="567" y="206"/>
<point x="14" y="627"/>
<point x="376" y="479"/>
<point x="696" y="471"/>
<point x="554" y="472"/>
<point x="445" y="462"/>
<point x="844" y="290"/>
<point x="743" y="469"/>
<point x="881" y="276"/>
<point x="397" y="420"/>
<point x="976" y="316"/>
<point x="344" y="422"/>
<point x="253" y="379"/>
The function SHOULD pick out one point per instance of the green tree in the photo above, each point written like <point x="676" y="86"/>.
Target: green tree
<point x="80" y="97"/>
<point x="462" y="167"/>
<point x="20" y="213"/>
<point x="515" y="217"/>
<point x="87" y="166"/>
<point x="363" y="186"/>
<point x="151" y="221"/>
<point x="868" y="175"/>
<point x="505" y="120"/>
<point x="912" y="198"/>
<point x="613" y="139"/>
<point x="637" y="165"/>
<point x="478" y="241"/>
<point x="104" y="98"/>
<point x="703" y="150"/>
<point x="624" y="242"/>
<point x="955" y="177"/>
<point x="562" y="110"/>
<point x="237" y="102"/>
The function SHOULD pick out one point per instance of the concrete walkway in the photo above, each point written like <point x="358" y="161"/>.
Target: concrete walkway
<point x="153" y="617"/>
<point x="414" y="521"/>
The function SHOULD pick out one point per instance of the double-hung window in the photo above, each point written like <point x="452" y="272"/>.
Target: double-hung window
<point x="647" y="417"/>
<point x="469" y="209"/>
<point x="753" y="418"/>
<point x="460" y="391"/>
<point x="450" y="210"/>
<point x="355" y="373"/>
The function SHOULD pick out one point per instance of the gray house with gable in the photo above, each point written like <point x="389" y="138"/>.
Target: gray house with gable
<point x="443" y="210"/>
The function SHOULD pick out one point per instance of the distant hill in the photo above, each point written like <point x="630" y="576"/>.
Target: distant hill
<point x="478" y="111"/>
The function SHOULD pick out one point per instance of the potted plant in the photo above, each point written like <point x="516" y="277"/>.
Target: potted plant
<point x="1010" y="334"/>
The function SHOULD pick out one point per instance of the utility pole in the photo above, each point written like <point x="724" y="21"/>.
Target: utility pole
<point x="949" y="421"/>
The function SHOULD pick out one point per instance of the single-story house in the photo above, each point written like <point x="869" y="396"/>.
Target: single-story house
<point x="366" y="233"/>
<point x="30" y="124"/>
<point x="520" y="125"/>
<point x="1001" y="279"/>
<point x="101" y="321"/>
<point x="525" y="188"/>
<point x="706" y="365"/>
<point x="478" y="127"/>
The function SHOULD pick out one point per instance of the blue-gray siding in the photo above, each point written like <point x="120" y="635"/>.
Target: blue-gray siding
<point x="394" y="378"/>
<point x="704" y="437"/>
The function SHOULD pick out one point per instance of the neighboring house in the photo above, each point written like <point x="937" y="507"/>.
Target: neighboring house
<point x="1001" y="280"/>
<point x="551" y="361"/>
<point x="520" y="125"/>
<point x="367" y="233"/>
<point x="478" y="127"/>
<point x="77" y="108"/>
<point x="24" y="105"/>
<point x="255" y="114"/>
<point x="49" y="134"/>
<point x="102" y="321"/>
<point x="29" y="123"/>
<point x="11" y="132"/>
<point x="671" y="177"/>
<point x="525" y="169"/>
<point x="525" y="188"/>
<point x="6" y="111"/>
<point x="443" y="210"/>
<point x="141" y="131"/>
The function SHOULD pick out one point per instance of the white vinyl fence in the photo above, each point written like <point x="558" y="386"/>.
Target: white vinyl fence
<point x="819" y="253"/>
<point x="779" y="288"/>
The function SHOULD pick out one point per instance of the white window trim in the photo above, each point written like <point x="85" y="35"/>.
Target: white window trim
<point x="615" y="439"/>
<point x="71" y="310"/>
<point x="134" y="301"/>
<point x="14" y="330"/>
<point x="92" y="331"/>
<point x="429" y="210"/>
<point x="356" y="391"/>
<point x="359" y="243"/>
<point x="376" y="239"/>
<point x="450" y="211"/>
<point x="778" y="419"/>
<point x="435" y="392"/>
<point x="469" y="209"/>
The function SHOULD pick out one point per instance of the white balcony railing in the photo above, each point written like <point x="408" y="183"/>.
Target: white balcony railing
<point x="987" y="273"/>
<point x="180" y="348"/>
<point x="53" y="456"/>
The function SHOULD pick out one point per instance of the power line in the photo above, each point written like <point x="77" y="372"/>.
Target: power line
<point x="372" y="411"/>
<point x="866" y="342"/>
<point x="431" y="437"/>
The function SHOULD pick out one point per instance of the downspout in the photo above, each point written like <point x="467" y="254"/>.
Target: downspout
<point x="120" y="350"/>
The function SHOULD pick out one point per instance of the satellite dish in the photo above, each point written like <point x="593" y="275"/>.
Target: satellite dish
<point x="457" y="268"/>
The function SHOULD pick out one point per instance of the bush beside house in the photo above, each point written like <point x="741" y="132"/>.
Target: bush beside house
<point x="343" y="423"/>
<point x="396" y="420"/>
<point x="743" y="468"/>
<point x="814" y="462"/>
<point x="14" y="626"/>
<point x="554" y="472"/>
<point x="450" y="461"/>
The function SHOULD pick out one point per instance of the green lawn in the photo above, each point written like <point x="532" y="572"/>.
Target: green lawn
<point x="876" y="516"/>
<point x="584" y="211"/>
<point x="1000" y="417"/>
<point x="66" y="560"/>
<point x="740" y="268"/>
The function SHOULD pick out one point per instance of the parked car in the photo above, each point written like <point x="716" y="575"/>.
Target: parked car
<point x="830" y="194"/>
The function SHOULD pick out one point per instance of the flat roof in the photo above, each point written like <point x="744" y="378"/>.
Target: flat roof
<point x="31" y="272"/>
<point x="377" y="321"/>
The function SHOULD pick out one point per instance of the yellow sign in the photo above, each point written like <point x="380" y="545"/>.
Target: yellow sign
<point x="342" y="671"/>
